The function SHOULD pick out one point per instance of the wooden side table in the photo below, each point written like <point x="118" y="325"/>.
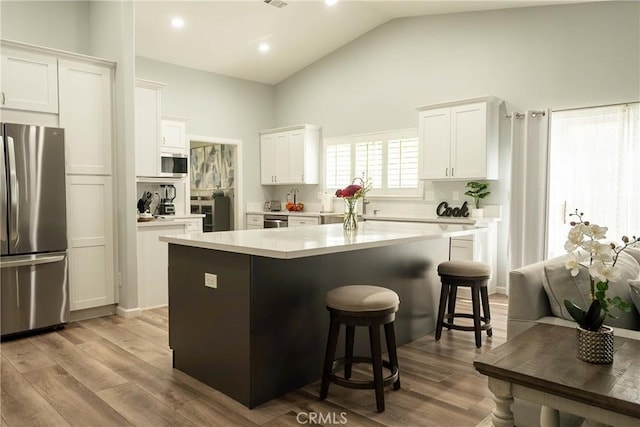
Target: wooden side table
<point x="540" y="366"/>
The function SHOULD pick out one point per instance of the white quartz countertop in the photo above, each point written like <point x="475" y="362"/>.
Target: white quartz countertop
<point x="166" y="220"/>
<point x="288" y="243"/>
<point x="300" y="213"/>
<point x="434" y="220"/>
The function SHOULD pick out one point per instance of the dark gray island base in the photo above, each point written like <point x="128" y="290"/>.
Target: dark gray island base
<point x="263" y="331"/>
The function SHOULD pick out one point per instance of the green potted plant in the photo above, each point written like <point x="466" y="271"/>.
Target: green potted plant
<point x="477" y="191"/>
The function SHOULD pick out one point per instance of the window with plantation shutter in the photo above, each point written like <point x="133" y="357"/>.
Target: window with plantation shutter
<point x="402" y="163"/>
<point x="389" y="159"/>
<point x="369" y="161"/>
<point x="338" y="165"/>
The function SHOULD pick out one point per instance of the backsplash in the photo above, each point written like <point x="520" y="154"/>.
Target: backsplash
<point x="434" y="192"/>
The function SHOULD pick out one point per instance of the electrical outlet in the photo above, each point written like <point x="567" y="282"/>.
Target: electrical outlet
<point x="456" y="195"/>
<point x="429" y="196"/>
<point x="210" y="280"/>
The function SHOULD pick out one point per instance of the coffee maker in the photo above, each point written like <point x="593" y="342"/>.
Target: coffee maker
<point x="166" y="206"/>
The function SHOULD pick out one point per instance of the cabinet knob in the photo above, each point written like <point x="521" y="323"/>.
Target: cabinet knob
<point x="3" y="98"/>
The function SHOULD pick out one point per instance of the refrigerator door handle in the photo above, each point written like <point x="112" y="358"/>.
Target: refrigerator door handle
<point x="13" y="193"/>
<point x="21" y="261"/>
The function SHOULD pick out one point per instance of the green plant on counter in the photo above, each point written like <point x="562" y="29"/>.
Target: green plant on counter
<point x="477" y="191"/>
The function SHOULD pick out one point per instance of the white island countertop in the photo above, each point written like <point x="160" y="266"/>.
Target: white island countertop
<point x="288" y="243"/>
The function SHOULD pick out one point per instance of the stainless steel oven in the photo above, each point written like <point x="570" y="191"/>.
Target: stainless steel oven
<point x="174" y="165"/>
<point x="276" y="221"/>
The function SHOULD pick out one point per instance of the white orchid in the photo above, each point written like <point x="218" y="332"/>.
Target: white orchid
<point x="603" y="272"/>
<point x="594" y="231"/>
<point x="599" y="251"/>
<point x="574" y="239"/>
<point x="573" y="263"/>
<point x="602" y="258"/>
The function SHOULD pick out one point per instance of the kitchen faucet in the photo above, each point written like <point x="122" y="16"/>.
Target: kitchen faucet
<point x="363" y="184"/>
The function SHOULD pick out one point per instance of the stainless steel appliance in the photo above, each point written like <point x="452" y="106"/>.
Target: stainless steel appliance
<point x="216" y="210"/>
<point x="174" y="165"/>
<point x="34" y="287"/>
<point x="276" y="221"/>
<point x="272" y="206"/>
<point x="166" y="206"/>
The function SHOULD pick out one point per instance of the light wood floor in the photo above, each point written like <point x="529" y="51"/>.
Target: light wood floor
<point x="114" y="371"/>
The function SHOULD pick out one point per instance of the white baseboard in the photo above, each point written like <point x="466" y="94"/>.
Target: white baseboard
<point x="502" y="290"/>
<point x="128" y="312"/>
<point x="155" y="306"/>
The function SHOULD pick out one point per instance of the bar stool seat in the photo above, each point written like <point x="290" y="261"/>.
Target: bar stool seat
<point x="361" y="305"/>
<point x="474" y="275"/>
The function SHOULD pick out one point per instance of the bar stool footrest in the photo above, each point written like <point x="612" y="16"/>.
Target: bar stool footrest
<point x="358" y="384"/>
<point x="485" y="326"/>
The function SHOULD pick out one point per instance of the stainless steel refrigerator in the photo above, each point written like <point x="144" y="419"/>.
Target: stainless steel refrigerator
<point x="33" y="229"/>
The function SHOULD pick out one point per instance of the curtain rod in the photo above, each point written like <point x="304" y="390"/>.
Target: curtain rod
<point x="533" y="114"/>
<point x="596" y="106"/>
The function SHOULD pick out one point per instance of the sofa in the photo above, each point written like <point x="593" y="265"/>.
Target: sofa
<point x="530" y="305"/>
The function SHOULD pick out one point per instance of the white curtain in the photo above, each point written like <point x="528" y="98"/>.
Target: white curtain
<point x="594" y="166"/>
<point x="528" y="195"/>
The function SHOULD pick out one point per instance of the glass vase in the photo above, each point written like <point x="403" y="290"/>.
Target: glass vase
<point x="350" y="214"/>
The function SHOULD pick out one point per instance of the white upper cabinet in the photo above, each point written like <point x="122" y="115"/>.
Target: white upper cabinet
<point x="86" y="110"/>
<point x="29" y="81"/>
<point x="290" y="155"/>
<point x="148" y="98"/>
<point x="174" y="135"/>
<point x="459" y="140"/>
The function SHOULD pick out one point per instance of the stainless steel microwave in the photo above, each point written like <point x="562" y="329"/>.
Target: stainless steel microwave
<point x="174" y="165"/>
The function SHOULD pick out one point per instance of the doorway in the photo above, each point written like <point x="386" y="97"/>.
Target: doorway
<point x="216" y="170"/>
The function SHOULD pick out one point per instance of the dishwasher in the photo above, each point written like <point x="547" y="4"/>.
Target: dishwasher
<point x="276" y="221"/>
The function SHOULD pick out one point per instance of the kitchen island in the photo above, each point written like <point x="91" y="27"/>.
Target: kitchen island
<point x="246" y="308"/>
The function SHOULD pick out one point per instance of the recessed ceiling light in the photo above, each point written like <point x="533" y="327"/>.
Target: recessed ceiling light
<point x="330" y="2"/>
<point x="177" y="22"/>
<point x="263" y="47"/>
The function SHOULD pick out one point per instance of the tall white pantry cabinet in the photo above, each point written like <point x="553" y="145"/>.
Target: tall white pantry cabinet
<point x="74" y="92"/>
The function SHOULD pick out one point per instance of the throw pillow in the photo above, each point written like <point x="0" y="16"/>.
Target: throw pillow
<point x="560" y="285"/>
<point x="634" y="292"/>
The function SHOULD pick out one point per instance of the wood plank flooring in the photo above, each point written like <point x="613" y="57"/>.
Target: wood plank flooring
<point x="114" y="371"/>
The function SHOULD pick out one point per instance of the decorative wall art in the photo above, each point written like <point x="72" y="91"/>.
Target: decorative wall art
<point x="212" y="167"/>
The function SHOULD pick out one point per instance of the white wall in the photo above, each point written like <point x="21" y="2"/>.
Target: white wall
<point x="559" y="57"/>
<point x="217" y="106"/>
<point x="60" y="25"/>
<point x="112" y="36"/>
<point x="533" y="58"/>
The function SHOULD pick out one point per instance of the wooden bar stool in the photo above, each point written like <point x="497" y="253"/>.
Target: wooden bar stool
<point x="361" y="305"/>
<point x="474" y="275"/>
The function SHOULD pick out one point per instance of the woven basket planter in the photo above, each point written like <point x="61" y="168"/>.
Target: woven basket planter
<point x="595" y="347"/>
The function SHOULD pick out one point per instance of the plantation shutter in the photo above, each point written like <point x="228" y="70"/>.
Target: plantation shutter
<point x="402" y="163"/>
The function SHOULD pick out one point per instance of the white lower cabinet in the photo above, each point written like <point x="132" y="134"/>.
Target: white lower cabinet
<point x="476" y="247"/>
<point x="295" y="221"/>
<point x="193" y="226"/>
<point x="91" y="241"/>
<point x="255" y="222"/>
<point x="153" y="261"/>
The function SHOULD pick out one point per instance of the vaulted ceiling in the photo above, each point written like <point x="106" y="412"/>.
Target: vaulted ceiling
<point x="223" y="36"/>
